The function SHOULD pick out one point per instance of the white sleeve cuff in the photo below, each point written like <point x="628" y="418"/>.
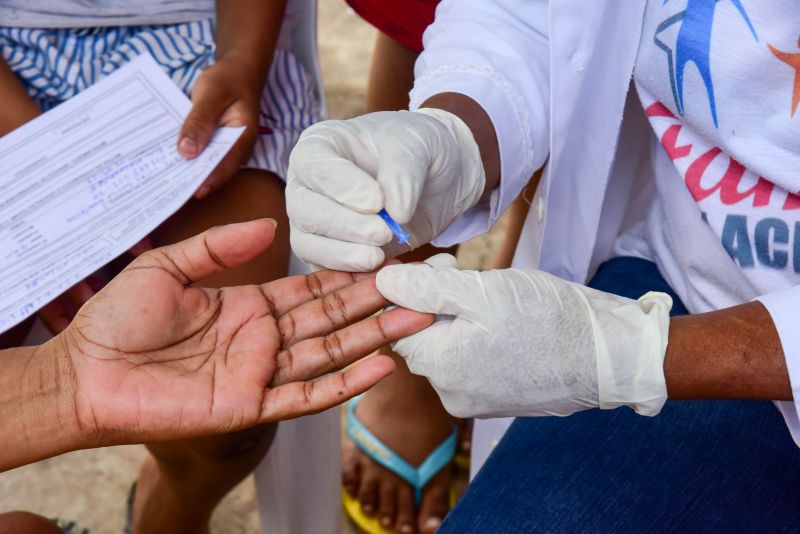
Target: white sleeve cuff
<point x="497" y="53"/>
<point x="784" y="308"/>
<point x="512" y="125"/>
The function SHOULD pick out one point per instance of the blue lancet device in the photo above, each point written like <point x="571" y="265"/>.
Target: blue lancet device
<point x="397" y="230"/>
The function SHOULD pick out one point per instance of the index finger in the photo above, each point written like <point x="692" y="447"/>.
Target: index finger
<point x="288" y="293"/>
<point x="331" y="312"/>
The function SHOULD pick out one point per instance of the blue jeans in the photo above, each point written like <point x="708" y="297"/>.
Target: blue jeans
<point x="710" y="466"/>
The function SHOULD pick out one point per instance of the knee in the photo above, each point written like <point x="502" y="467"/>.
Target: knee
<point x="26" y="523"/>
<point x="242" y="447"/>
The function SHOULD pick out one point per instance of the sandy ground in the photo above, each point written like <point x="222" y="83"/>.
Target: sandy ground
<point x="90" y="487"/>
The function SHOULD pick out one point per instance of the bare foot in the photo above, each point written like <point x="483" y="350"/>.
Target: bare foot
<point x="465" y="437"/>
<point x="404" y="412"/>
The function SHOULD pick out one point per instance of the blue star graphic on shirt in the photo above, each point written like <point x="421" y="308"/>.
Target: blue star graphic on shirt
<point x="693" y="45"/>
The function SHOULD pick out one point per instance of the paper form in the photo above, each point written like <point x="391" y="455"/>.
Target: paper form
<point x="84" y="182"/>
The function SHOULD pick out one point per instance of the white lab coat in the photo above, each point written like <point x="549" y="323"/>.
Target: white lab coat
<point x="555" y="88"/>
<point x="555" y="79"/>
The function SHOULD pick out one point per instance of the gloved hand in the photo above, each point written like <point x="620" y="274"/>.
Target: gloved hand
<point x="518" y="342"/>
<point x="422" y="166"/>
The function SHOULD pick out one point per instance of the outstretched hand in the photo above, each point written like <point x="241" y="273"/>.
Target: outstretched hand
<point x="152" y="357"/>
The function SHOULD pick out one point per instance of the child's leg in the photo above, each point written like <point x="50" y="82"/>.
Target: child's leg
<point x="402" y="410"/>
<point x="182" y="483"/>
<point x="515" y="217"/>
<point x="391" y="75"/>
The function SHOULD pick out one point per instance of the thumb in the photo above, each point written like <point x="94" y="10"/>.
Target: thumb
<point x="214" y="251"/>
<point x="443" y="291"/>
<point x="202" y="121"/>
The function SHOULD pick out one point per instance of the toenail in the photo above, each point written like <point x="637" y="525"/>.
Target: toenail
<point x="432" y="523"/>
<point x="386" y="521"/>
<point x="406" y="528"/>
<point x="368" y="508"/>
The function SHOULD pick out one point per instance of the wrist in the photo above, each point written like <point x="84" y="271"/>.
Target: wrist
<point x="474" y="175"/>
<point x="246" y="71"/>
<point x="55" y="385"/>
<point x="732" y="353"/>
<point x="37" y="402"/>
<point x="480" y="126"/>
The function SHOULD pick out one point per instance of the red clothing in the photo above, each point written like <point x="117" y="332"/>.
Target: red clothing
<point x="403" y="21"/>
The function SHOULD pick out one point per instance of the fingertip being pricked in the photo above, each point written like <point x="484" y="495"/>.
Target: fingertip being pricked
<point x="389" y="279"/>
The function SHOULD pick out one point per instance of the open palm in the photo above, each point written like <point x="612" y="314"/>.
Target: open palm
<point x="155" y="358"/>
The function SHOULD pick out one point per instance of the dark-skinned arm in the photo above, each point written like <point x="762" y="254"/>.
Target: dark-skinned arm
<point x="36" y="406"/>
<point x="247" y="32"/>
<point x="734" y="353"/>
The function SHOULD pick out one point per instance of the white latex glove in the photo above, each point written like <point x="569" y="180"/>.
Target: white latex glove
<point x="422" y="166"/>
<point x="518" y="342"/>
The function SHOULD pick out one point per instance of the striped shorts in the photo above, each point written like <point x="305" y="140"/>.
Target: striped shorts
<point x="56" y="64"/>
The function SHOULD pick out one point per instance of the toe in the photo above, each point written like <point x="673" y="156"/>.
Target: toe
<point x="405" y="510"/>
<point x="465" y="427"/>
<point x="387" y="508"/>
<point x="368" y="496"/>
<point x="351" y="477"/>
<point x="435" y="503"/>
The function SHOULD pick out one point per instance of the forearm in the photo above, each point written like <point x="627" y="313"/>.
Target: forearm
<point x="478" y="121"/>
<point x="18" y="108"/>
<point x="730" y="353"/>
<point x="247" y="31"/>
<point x="36" y="406"/>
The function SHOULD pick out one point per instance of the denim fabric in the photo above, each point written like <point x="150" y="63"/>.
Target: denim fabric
<point x="699" y="466"/>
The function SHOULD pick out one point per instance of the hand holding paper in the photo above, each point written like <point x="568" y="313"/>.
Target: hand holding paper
<point x="221" y="98"/>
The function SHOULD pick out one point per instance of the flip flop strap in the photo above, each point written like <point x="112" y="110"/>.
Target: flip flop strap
<point x="373" y="447"/>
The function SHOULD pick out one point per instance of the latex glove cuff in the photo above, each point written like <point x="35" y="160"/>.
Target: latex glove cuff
<point x="630" y="354"/>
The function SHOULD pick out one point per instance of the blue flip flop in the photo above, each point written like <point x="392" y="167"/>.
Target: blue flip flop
<point x="417" y="477"/>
